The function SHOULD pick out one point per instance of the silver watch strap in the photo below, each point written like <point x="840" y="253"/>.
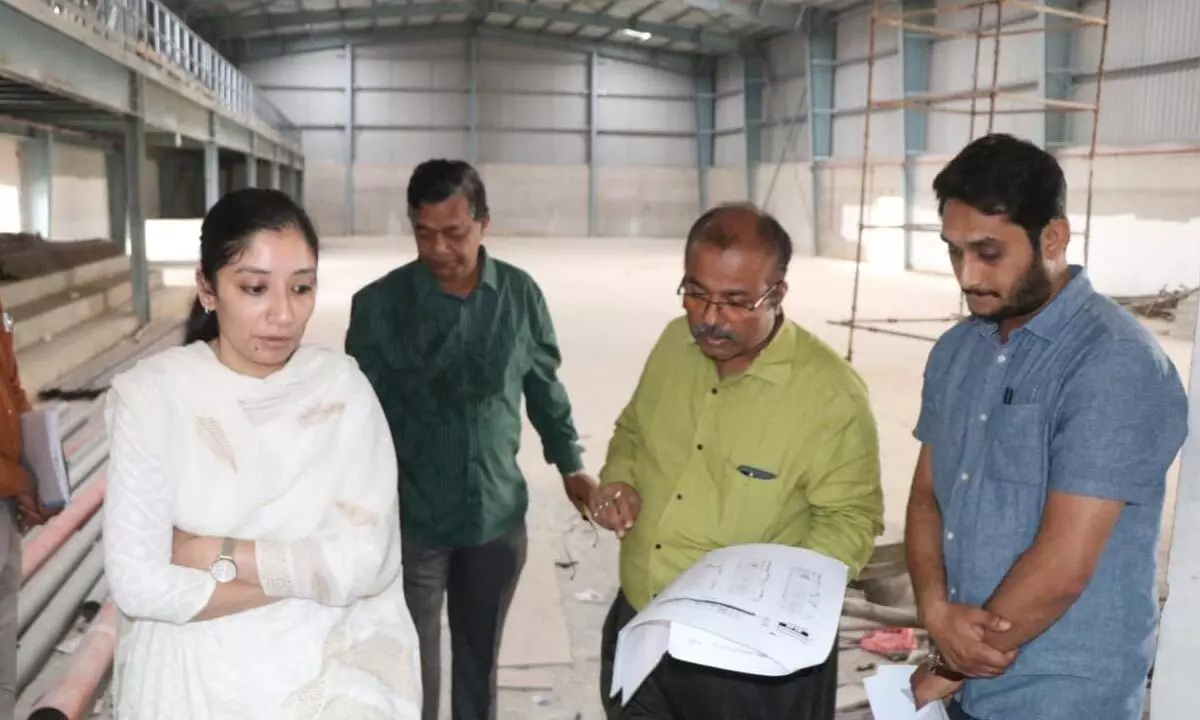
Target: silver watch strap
<point x="227" y="548"/>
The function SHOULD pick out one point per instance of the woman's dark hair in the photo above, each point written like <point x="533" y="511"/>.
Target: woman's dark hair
<point x="434" y="181"/>
<point x="999" y="174"/>
<point x="225" y="234"/>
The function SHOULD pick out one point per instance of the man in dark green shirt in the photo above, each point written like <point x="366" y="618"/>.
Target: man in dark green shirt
<point x="451" y="342"/>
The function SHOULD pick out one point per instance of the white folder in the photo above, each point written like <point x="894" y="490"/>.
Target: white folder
<point x="42" y="456"/>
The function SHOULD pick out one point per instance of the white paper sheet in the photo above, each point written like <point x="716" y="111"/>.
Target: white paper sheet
<point x="890" y="696"/>
<point x="757" y="609"/>
<point x="42" y="455"/>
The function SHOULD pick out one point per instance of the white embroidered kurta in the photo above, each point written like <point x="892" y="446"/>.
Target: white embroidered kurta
<point x="301" y="462"/>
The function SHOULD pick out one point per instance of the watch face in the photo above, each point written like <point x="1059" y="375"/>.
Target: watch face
<point x="224" y="571"/>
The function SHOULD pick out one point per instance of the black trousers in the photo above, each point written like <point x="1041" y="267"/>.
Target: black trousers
<point x="478" y="584"/>
<point x="678" y="690"/>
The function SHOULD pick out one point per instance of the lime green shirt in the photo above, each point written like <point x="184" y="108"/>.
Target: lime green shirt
<point x="785" y="453"/>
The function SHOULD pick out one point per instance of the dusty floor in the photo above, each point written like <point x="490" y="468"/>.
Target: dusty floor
<point x="610" y="298"/>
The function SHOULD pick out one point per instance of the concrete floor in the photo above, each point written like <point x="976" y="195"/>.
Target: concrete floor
<point x="610" y="298"/>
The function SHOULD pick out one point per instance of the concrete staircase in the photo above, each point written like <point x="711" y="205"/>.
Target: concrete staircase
<point x="65" y="319"/>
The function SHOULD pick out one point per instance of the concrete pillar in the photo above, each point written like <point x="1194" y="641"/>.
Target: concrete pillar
<point x="251" y="171"/>
<point x="276" y="183"/>
<point x="37" y="183"/>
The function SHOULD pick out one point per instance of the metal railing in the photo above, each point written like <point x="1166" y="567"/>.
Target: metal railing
<point x="151" y="30"/>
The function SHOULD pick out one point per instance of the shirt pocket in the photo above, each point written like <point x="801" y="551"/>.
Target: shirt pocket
<point x="1013" y="492"/>
<point x="1016" y="452"/>
<point x="753" y="496"/>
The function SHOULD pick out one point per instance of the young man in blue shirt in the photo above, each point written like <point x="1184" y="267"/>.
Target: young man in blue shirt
<point x="1048" y="421"/>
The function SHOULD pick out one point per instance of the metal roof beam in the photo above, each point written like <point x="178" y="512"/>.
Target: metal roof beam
<point x="704" y="39"/>
<point x="776" y="16"/>
<point x="250" y="50"/>
<point x="246" y="27"/>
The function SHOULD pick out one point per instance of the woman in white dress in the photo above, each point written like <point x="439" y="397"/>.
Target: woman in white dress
<point x="252" y="532"/>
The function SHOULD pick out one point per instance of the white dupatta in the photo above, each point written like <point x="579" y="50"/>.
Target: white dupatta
<point x="301" y="462"/>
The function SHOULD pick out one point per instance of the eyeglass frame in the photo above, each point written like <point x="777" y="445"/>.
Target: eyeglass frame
<point x="719" y="305"/>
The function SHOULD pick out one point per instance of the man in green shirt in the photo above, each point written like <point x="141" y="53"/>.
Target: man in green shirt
<point x="451" y="342"/>
<point x="744" y="428"/>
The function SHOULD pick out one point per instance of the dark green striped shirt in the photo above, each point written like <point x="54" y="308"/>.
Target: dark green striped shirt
<point x="450" y="374"/>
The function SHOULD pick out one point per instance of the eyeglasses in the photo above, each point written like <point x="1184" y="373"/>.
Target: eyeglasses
<point x="703" y="301"/>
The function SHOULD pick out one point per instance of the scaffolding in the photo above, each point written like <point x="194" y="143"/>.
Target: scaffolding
<point x="924" y="21"/>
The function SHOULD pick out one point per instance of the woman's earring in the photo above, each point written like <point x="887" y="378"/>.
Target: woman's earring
<point x="207" y="310"/>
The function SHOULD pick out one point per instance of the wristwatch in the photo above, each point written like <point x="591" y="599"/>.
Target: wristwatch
<point x="224" y="569"/>
<point x="938" y="666"/>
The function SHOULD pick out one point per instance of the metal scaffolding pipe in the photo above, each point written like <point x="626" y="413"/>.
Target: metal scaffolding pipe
<point x="89" y="462"/>
<point x="62" y="527"/>
<point x="38" y="643"/>
<point x="76" y="690"/>
<point x="37" y="594"/>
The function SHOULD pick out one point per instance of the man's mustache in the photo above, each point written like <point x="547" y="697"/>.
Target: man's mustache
<point x="711" y="332"/>
<point x="981" y="293"/>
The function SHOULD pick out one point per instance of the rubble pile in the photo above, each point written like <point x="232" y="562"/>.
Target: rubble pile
<point x="24" y="255"/>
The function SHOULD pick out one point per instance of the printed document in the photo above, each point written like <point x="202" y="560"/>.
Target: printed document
<point x="890" y="695"/>
<point x="43" y="458"/>
<point x="757" y="609"/>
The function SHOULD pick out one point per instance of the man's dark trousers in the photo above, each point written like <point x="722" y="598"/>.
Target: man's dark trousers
<point x="678" y="690"/>
<point x="478" y="584"/>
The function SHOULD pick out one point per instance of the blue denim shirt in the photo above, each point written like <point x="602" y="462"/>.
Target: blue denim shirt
<point x="1080" y="400"/>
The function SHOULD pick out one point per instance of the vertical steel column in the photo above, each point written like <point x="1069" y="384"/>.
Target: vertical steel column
<point x="118" y="196"/>
<point x="822" y="65"/>
<point x="276" y="180"/>
<point x="135" y="151"/>
<point x="752" y="84"/>
<point x="212" y="165"/>
<point x="915" y="53"/>
<point x="252" y="162"/>
<point x="37" y="183"/>
<point x="1054" y="82"/>
<point x="348" y="200"/>
<point x="705" y="94"/>
<point x="592" y="119"/>
<point x="473" y="98"/>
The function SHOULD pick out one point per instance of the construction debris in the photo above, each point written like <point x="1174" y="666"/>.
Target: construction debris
<point x="24" y="255"/>
<point x="1160" y="306"/>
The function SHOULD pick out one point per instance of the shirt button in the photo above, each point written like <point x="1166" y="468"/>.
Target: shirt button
<point x="1000" y="358"/>
<point x="964" y="477"/>
<point x="983" y="417"/>
<point x="714" y="391"/>
<point x="699" y="446"/>
<point x="953" y="592"/>
<point x="949" y="536"/>
<point x="658" y="546"/>
<point x="679" y="496"/>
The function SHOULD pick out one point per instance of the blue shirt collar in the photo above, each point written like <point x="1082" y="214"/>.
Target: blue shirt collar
<point x="1050" y="319"/>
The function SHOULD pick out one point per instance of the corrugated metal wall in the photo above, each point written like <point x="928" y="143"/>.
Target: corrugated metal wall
<point x="730" y="144"/>
<point x="850" y="88"/>
<point x="411" y="102"/>
<point x="785" y="100"/>
<point x="1151" y="91"/>
<point x="532" y="105"/>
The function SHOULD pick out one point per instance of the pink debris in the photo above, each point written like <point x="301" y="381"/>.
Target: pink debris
<point x="889" y="641"/>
